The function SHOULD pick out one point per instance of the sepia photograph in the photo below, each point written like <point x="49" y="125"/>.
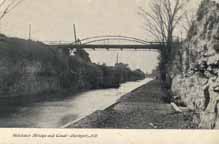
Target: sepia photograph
<point x="109" y="64"/>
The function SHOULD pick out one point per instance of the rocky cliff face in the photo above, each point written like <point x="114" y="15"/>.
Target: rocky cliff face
<point x="198" y="84"/>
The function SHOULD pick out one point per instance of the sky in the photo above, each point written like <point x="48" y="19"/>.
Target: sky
<point x="52" y="20"/>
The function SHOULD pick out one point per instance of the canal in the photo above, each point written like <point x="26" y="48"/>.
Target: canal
<point x="55" y="114"/>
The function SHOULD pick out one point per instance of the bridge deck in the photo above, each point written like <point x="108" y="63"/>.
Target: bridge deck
<point x="109" y="46"/>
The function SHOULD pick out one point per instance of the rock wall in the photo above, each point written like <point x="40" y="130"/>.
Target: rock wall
<point x="197" y="85"/>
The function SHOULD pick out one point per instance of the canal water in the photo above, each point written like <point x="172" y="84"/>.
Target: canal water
<point x="55" y="114"/>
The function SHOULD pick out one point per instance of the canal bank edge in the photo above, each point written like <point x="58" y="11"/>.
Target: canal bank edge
<point x="105" y="109"/>
<point x="142" y="108"/>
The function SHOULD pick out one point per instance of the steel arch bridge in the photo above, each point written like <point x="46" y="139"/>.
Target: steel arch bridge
<point x="105" y="42"/>
<point x="93" y="39"/>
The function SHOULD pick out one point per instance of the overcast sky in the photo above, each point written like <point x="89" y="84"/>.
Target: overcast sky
<point x="53" y="19"/>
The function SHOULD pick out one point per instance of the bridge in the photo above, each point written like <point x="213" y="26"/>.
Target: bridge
<point x="107" y="42"/>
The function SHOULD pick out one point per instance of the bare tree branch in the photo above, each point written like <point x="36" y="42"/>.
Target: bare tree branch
<point x="162" y="20"/>
<point x="188" y="20"/>
<point x="164" y="16"/>
<point x="7" y="6"/>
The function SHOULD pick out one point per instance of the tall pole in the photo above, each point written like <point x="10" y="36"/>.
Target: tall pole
<point x="29" y="37"/>
<point x="30" y="31"/>
<point x="0" y="27"/>
<point x="75" y="34"/>
<point x="117" y="58"/>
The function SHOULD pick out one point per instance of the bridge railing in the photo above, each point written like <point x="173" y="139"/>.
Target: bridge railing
<point x="109" y="39"/>
<point x="91" y="43"/>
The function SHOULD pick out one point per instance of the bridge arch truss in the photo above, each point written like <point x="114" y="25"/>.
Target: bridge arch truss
<point x="104" y="38"/>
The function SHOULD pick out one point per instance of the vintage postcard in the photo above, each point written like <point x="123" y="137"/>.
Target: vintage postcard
<point x="109" y="71"/>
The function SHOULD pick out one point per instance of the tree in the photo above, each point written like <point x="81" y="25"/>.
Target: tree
<point x="162" y="19"/>
<point x="7" y="6"/>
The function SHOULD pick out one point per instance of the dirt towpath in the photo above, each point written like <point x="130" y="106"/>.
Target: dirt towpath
<point x="142" y="108"/>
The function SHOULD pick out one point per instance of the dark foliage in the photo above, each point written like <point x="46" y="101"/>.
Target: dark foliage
<point x="29" y="68"/>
